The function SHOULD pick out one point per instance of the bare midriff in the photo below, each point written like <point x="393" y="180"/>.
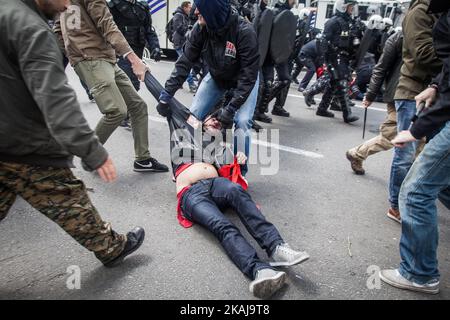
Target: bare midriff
<point x="196" y="172"/>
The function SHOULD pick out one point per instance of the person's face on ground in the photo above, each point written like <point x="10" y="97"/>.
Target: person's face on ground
<point x="212" y="126"/>
<point x="50" y="8"/>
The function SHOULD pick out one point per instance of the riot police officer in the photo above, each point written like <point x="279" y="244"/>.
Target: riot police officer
<point x="270" y="89"/>
<point x="135" y="22"/>
<point x="338" y="48"/>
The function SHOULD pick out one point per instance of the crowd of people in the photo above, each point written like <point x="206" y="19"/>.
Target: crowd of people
<point x="236" y="56"/>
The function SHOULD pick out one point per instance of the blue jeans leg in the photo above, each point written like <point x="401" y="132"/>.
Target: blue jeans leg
<point x="200" y="207"/>
<point x="190" y="79"/>
<point x="429" y="176"/>
<point x="206" y="98"/>
<point x="228" y="194"/>
<point x="244" y="121"/>
<point x="403" y="157"/>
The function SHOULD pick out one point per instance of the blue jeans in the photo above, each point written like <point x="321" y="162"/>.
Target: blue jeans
<point x="190" y="79"/>
<point x="207" y="97"/>
<point x="427" y="178"/>
<point x="203" y="203"/>
<point x="403" y="157"/>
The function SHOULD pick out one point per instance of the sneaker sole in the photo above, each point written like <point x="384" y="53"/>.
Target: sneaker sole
<point x="149" y="170"/>
<point x="407" y="287"/>
<point x="390" y="216"/>
<point x="265" y="288"/>
<point x="289" y="264"/>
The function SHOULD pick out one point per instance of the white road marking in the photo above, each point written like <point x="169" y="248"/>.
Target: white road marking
<point x="301" y="152"/>
<point x="358" y="106"/>
<point x="262" y="143"/>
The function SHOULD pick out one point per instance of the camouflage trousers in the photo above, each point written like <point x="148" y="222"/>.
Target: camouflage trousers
<point x="61" y="197"/>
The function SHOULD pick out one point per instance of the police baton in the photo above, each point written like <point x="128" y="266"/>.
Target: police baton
<point x="365" y="120"/>
<point x="419" y="110"/>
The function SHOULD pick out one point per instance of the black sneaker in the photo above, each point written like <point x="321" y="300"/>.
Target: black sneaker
<point x="150" y="165"/>
<point x="135" y="238"/>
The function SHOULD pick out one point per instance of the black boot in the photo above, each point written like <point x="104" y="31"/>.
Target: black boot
<point x="324" y="113"/>
<point x="335" y="106"/>
<point x="323" y="106"/>
<point x="347" y="113"/>
<point x="135" y="238"/>
<point x="260" y="116"/>
<point x="256" y="126"/>
<point x="279" y="111"/>
<point x="309" y="98"/>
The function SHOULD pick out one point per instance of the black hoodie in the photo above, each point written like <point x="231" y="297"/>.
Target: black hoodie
<point x="231" y="54"/>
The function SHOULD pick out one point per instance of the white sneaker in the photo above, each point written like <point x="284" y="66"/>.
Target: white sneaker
<point x="395" y="279"/>
<point x="267" y="282"/>
<point x="285" y="256"/>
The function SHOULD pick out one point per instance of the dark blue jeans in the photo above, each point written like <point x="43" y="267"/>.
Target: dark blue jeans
<point x="203" y="204"/>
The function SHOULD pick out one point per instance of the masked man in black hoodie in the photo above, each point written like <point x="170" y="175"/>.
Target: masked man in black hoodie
<point x="229" y="47"/>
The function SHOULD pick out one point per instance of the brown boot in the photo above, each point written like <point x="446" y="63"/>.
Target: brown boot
<point x="394" y="214"/>
<point x="355" y="163"/>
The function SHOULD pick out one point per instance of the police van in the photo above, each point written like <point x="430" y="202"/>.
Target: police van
<point x="365" y="8"/>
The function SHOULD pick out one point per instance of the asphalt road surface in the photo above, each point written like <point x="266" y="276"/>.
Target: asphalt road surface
<point x="316" y="201"/>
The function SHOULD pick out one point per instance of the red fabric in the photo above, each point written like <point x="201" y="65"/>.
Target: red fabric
<point x="320" y="71"/>
<point x="185" y="223"/>
<point x="233" y="173"/>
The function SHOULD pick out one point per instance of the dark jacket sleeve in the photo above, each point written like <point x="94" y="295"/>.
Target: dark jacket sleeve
<point x="385" y="65"/>
<point x="40" y="62"/>
<point x="151" y="37"/>
<point x="191" y="53"/>
<point x="247" y="46"/>
<point x="432" y="119"/>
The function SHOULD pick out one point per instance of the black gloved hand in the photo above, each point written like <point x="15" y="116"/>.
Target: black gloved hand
<point x="225" y="116"/>
<point x="163" y="109"/>
<point x="156" y="54"/>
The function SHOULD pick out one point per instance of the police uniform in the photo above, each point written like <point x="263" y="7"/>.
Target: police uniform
<point x="268" y="88"/>
<point x="338" y="49"/>
<point x="134" y="20"/>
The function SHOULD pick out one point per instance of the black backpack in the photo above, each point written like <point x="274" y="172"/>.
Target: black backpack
<point x="169" y="30"/>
